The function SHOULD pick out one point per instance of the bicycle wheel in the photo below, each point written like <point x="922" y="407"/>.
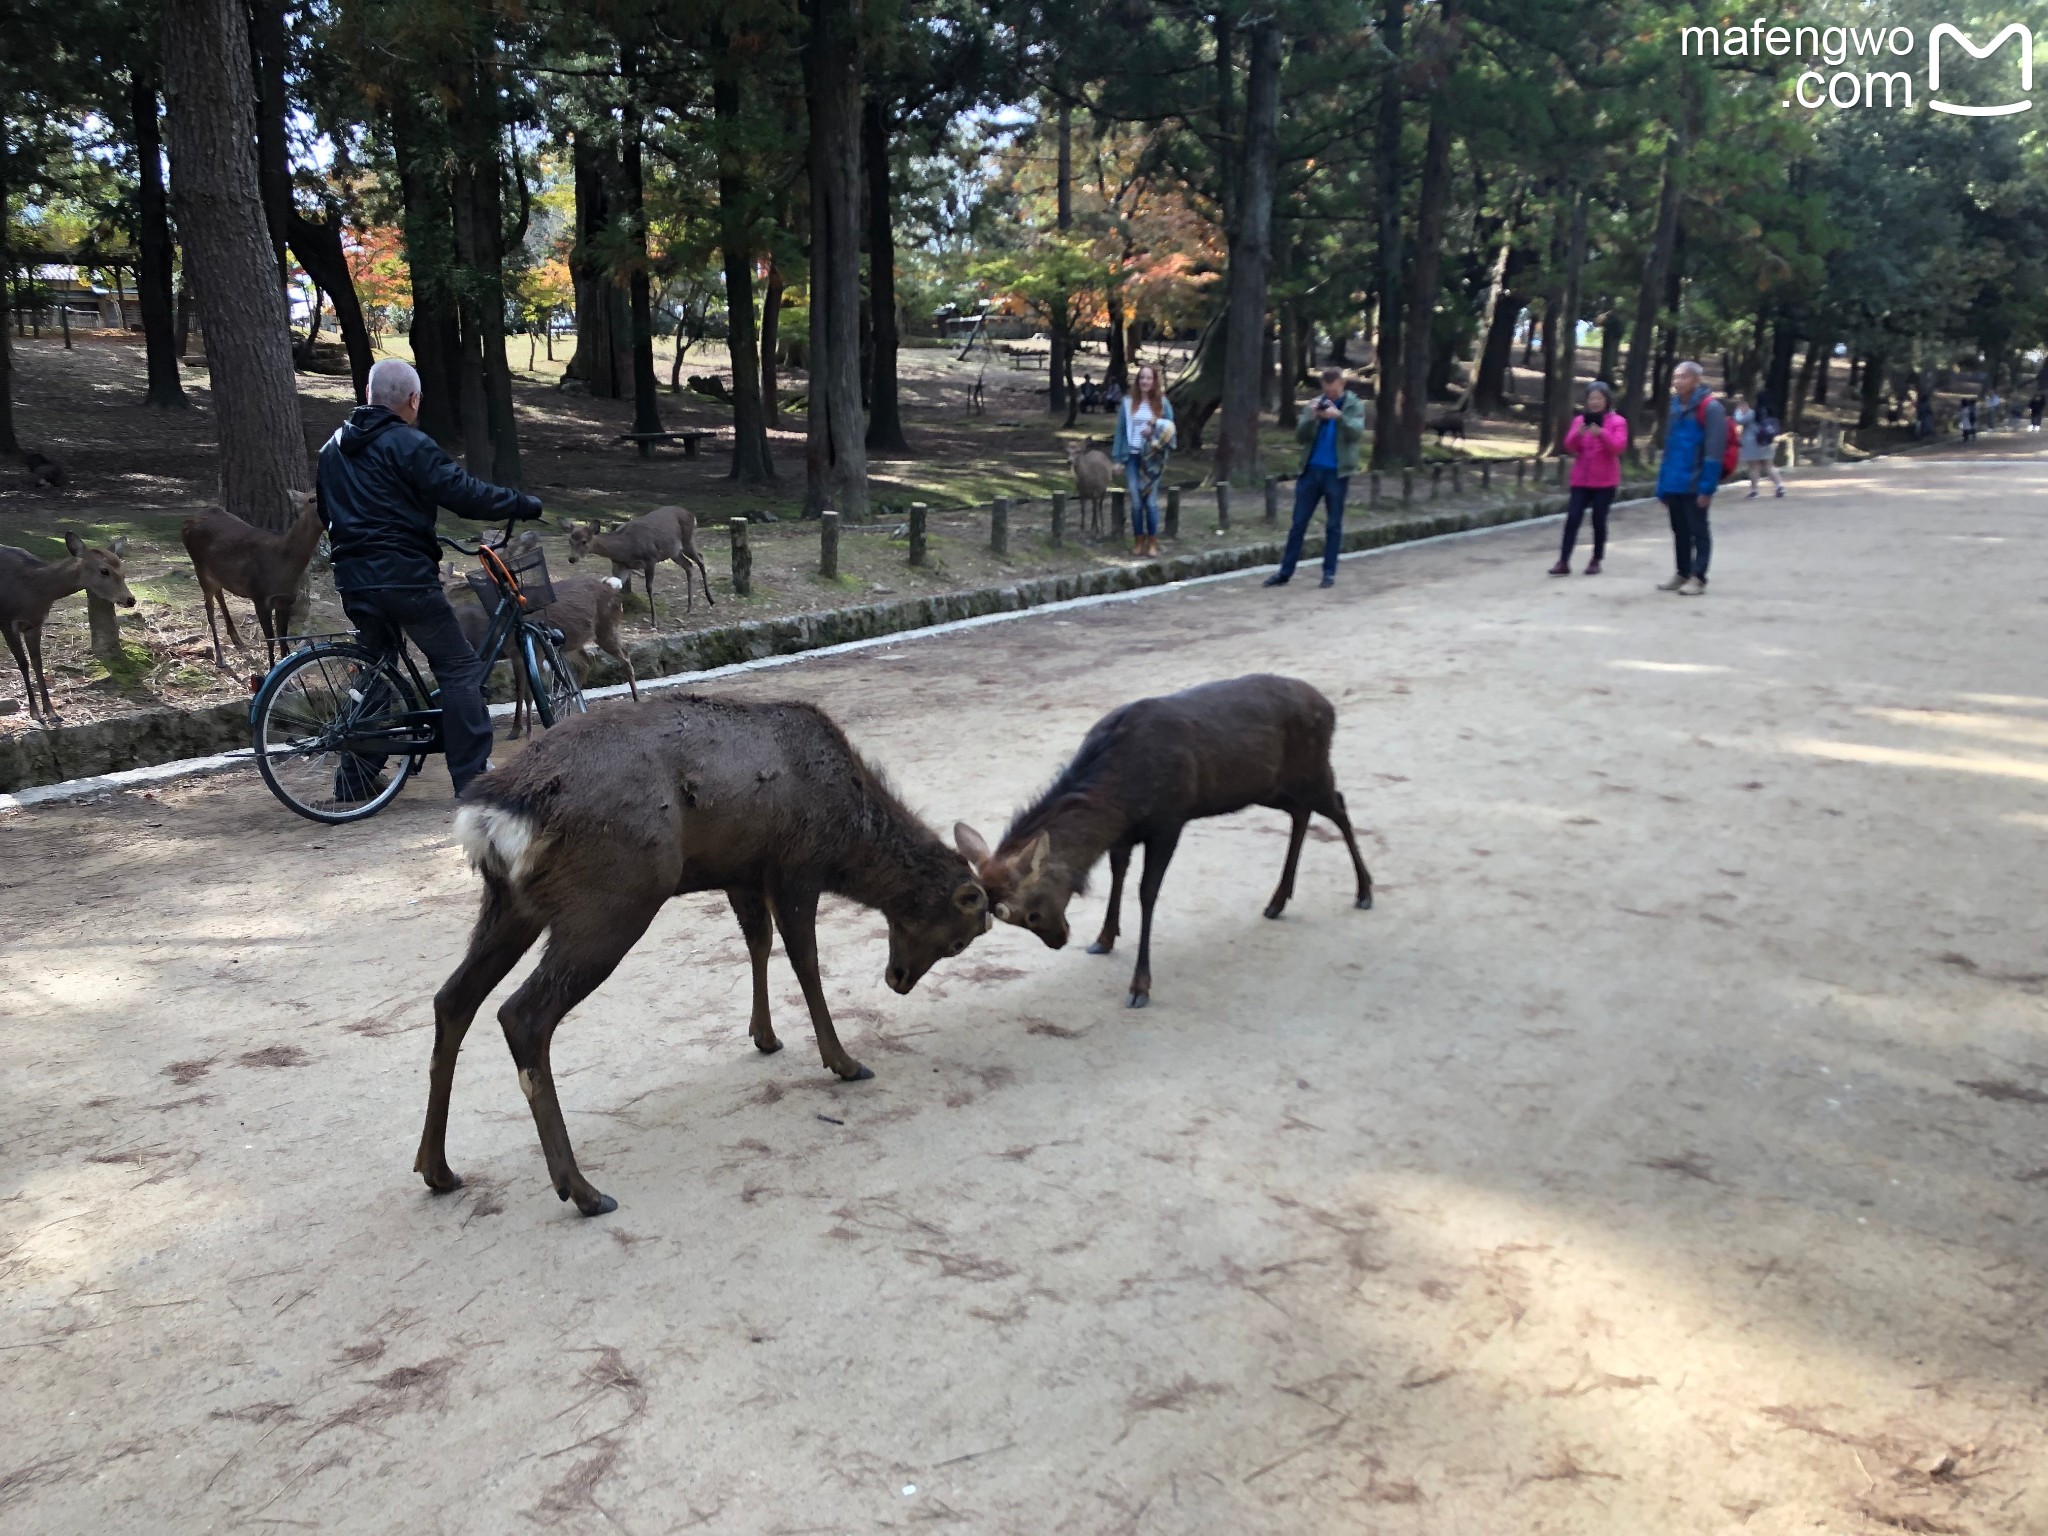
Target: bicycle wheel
<point x="337" y="732"/>
<point x="556" y="693"/>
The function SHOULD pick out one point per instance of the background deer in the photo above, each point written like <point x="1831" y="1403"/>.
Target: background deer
<point x="29" y="586"/>
<point x="1143" y="772"/>
<point x="666" y="533"/>
<point x="592" y="828"/>
<point x="1093" y="471"/>
<point x="587" y="610"/>
<point x="229" y="555"/>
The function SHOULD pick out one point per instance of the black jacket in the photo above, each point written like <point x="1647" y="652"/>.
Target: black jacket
<point x="381" y="482"/>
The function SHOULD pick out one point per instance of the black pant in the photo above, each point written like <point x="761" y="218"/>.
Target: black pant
<point x="1596" y="499"/>
<point x="1318" y="482"/>
<point x="386" y="616"/>
<point x="1689" y="532"/>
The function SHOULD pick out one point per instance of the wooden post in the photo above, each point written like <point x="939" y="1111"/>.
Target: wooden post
<point x="106" y="629"/>
<point x="1223" y="506"/>
<point x="1457" y="477"/>
<point x="742" y="558"/>
<point x="1272" y="500"/>
<point x="1436" y="481"/>
<point x="1059" y="518"/>
<point x="1485" y="475"/>
<point x="1561" y="467"/>
<point x="1172" y="528"/>
<point x="1521" y="472"/>
<point x="918" y="513"/>
<point x="1372" y="498"/>
<point x="828" y="545"/>
<point x="999" y="526"/>
<point x="1407" y="483"/>
<point x="1116" y="515"/>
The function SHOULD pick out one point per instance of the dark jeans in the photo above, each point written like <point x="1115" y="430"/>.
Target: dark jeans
<point x="1690" y="534"/>
<point x="423" y="616"/>
<point x="1144" y="494"/>
<point x="1588" y="498"/>
<point x="1317" y="483"/>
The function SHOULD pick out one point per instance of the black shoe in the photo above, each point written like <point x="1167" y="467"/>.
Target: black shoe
<point x="353" y="784"/>
<point x="1276" y="580"/>
<point x="1329" y="581"/>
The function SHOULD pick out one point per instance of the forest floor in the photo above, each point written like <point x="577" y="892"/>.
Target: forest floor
<point x="138" y="473"/>
<point x="1666" y="1152"/>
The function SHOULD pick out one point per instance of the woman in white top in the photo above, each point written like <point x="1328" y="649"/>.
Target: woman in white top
<point x="1758" y="454"/>
<point x="1141" y="446"/>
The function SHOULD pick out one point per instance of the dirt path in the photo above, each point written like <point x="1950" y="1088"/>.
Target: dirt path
<point x="1668" y="1152"/>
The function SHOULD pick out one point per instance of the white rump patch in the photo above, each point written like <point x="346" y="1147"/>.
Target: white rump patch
<point x="500" y="841"/>
<point x="615" y="584"/>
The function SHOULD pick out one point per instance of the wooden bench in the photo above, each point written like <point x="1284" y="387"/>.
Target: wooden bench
<point x="1022" y="358"/>
<point x="645" y="441"/>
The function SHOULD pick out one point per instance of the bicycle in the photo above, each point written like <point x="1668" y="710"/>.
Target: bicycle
<point x="334" y="714"/>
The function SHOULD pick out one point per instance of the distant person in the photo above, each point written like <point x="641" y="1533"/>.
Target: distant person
<point x="1923" y="416"/>
<point x="1966" y="421"/>
<point x="381" y="482"/>
<point x="1144" y="436"/>
<point x="1695" y="432"/>
<point x="1091" y="397"/>
<point x="1110" y="397"/>
<point x="2034" y="408"/>
<point x="1596" y="440"/>
<point x="1993" y="409"/>
<point x="1759" y="451"/>
<point x="1329" y="427"/>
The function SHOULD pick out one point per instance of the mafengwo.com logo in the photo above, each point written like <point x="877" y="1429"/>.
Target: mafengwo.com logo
<point x="1871" y="66"/>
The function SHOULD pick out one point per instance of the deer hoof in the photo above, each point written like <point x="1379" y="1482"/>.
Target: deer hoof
<point x="1364" y="902"/>
<point x="1139" y="1000"/>
<point x="769" y="1046"/>
<point x="1102" y="946"/>
<point x="602" y="1205"/>
<point x="1275" y="910"/>
<point x="446" y="1182"/>
<point x="860" y="1074"/>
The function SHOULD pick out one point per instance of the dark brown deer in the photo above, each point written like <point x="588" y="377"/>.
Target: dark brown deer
<point x="588" y="610"/>
<point x="1144" y="772"/>
<point x="29" y="586"/>
<point x="592" y="828"/>
<point x="1093" y="470"/>
<point x="229" y="555"/>
<point x="637" y="547"/>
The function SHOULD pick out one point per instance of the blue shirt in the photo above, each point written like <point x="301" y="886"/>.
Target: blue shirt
<point x="1324" y="454"/>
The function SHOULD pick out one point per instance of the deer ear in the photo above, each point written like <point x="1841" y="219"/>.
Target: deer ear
<point x="119" y="547"/>
<point x="970" y="843"/>
<point x="970" y="898"/>
<point x="1039" y="850"/>
<point x="73" y="542"/>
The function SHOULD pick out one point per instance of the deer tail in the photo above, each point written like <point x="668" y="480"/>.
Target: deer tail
<point x="501" y="840"/>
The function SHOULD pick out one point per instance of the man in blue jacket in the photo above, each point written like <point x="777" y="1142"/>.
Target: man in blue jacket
<point x="381" y="482"/>
<point x="1328" y="429"/>
<point x="1694" y="435"/>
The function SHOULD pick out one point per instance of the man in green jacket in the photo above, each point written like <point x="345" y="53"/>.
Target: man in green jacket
<point x="1329" y="428"/>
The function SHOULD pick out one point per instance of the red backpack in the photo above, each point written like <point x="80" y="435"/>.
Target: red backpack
<point x="1731" y="450"/>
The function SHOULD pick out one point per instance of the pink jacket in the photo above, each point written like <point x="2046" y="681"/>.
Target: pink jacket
<point x="1596" y="455"/>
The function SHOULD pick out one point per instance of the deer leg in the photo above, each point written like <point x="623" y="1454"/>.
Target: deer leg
<point x="209" y="595"/>
<point x="751" y="908"/>
<point x="1158" y="854"/>
<point x="689" y="592"/>
<point x="704" y="576"/>
<point x="647" y="576"/>
<point x="1119" y="862"/>
<point x="501" y="937"/>
<point x="28" y="683"/>
<point x="1333" y="810"/>
<point x="227" y="617"/>
<point x="796" y="914"/>
<point x="584" y="947"/>
<point x="1286" y="890"/>
<point x="34" y="637"/>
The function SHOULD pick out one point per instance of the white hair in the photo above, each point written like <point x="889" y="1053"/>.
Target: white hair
<point x="1688" y="366"/>
<point x="393" y="381"/>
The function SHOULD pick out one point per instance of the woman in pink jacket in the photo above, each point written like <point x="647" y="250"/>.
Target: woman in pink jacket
<point x="1596" y="442"/>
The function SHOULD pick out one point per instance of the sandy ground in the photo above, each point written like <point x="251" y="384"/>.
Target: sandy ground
<point x="1667" y="1152"/>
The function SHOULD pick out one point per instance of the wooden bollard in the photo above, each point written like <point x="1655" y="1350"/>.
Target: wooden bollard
<point x="1521" y="470"/>
<point x="1059" y="518"/>
<point x="105" y="627"/>
<point x="1372" y="498"/>
<point x="1436" y="481"/>
<point x="1223" y="506"/>
<point x="1172" y="528"/>
<point x="1562" y="465"/>
<point x="918" y="513"/>
<point x="828" y="545"/>
<point x="1116" y="515"/>
<point x="742" y="557"/>
<point x="1486" y="475"/>
<point x="1457" y="478"/>
<point x="999" y="526"/>
<point x="1272" y="500"/>
<point x="1407" y="483"/>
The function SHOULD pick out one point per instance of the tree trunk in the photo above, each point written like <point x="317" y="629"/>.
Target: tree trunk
<point x="273" y="153"/>
<point x="1418" y="333"/>
<point x="248" y="342"/>
<point x="1612" y="329"/>
<point x="153" y="277"/>
<point x="1794" y="415"/>
<point x="885" y="412"/>
<point x="1871" y="404"/>
<point x="321" y="252"/>
<point x="8" y="442"/>
<point x="1495" y="283"/>
<point x="1826" y="349"/>
<point x="646" y="407"/>
<point x="480" y="279"/>
<point x="1251" y="259"/>
<point x="771" y="339"/>
<point x="1491" y="391"/>
<point x="603" y="359"/>
<point x="751" y="464"/>
<point x="1386" y="436"/>
<point x="835" y="454"/>
<point x="1057" y="370"/>
<point x="1656" y="267"/>
<point x="1118" y="371"/>
<point x="1778" y="378"/>
<point x="1568" y="321"/>
<point x="418" y="148"/>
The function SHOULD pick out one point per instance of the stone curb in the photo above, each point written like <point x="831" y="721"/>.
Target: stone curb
<point x="152" y="736"/>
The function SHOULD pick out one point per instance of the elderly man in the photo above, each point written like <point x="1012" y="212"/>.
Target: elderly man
<point x="381" y="480"/>
<point x="1694" y="435"/>
<point x="1329" y="429"/>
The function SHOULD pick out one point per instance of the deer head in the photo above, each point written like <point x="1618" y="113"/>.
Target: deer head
<point x="100" y="569"/>
<point x="932" y="927"/>
<point x="1025" y="887"/>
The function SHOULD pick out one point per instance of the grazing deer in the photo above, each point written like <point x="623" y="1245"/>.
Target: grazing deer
<point x="29" y="586"/>
<point x="1092" y="473"/>
<point x="592" y="828"/>
<point x="229" y="555"/>
<point x="1143" y="772"/>
<point x="666" y="533"/>
<point x="587" y="610"/>
<point x="1450" y="424"/>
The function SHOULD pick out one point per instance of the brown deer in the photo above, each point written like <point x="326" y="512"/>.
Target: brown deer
<point x="637" y="547"/>
<point x="29" y="586"/>
<point x="1093" y="472"/>
<point x="229" y="555"/>
<point x="1143" y="772"/>
<point x="588" y="610"/>
<point x="592" y="828"/>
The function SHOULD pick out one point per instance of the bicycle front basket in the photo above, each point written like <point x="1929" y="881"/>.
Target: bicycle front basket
<point x="529" y="567"/>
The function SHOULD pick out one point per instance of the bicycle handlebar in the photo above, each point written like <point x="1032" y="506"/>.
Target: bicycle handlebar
<point x="477" y="548"/>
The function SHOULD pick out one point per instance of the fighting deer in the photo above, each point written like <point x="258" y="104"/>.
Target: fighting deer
<point x="1092" y="473"/>
<point x="229" y="555"/>
<point x="666" y="533"/>
<point x="1143" y="772"/>
<point x="29" y="586"/>
<point x="592" y="828"/>
<point x="587" y="610"/>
